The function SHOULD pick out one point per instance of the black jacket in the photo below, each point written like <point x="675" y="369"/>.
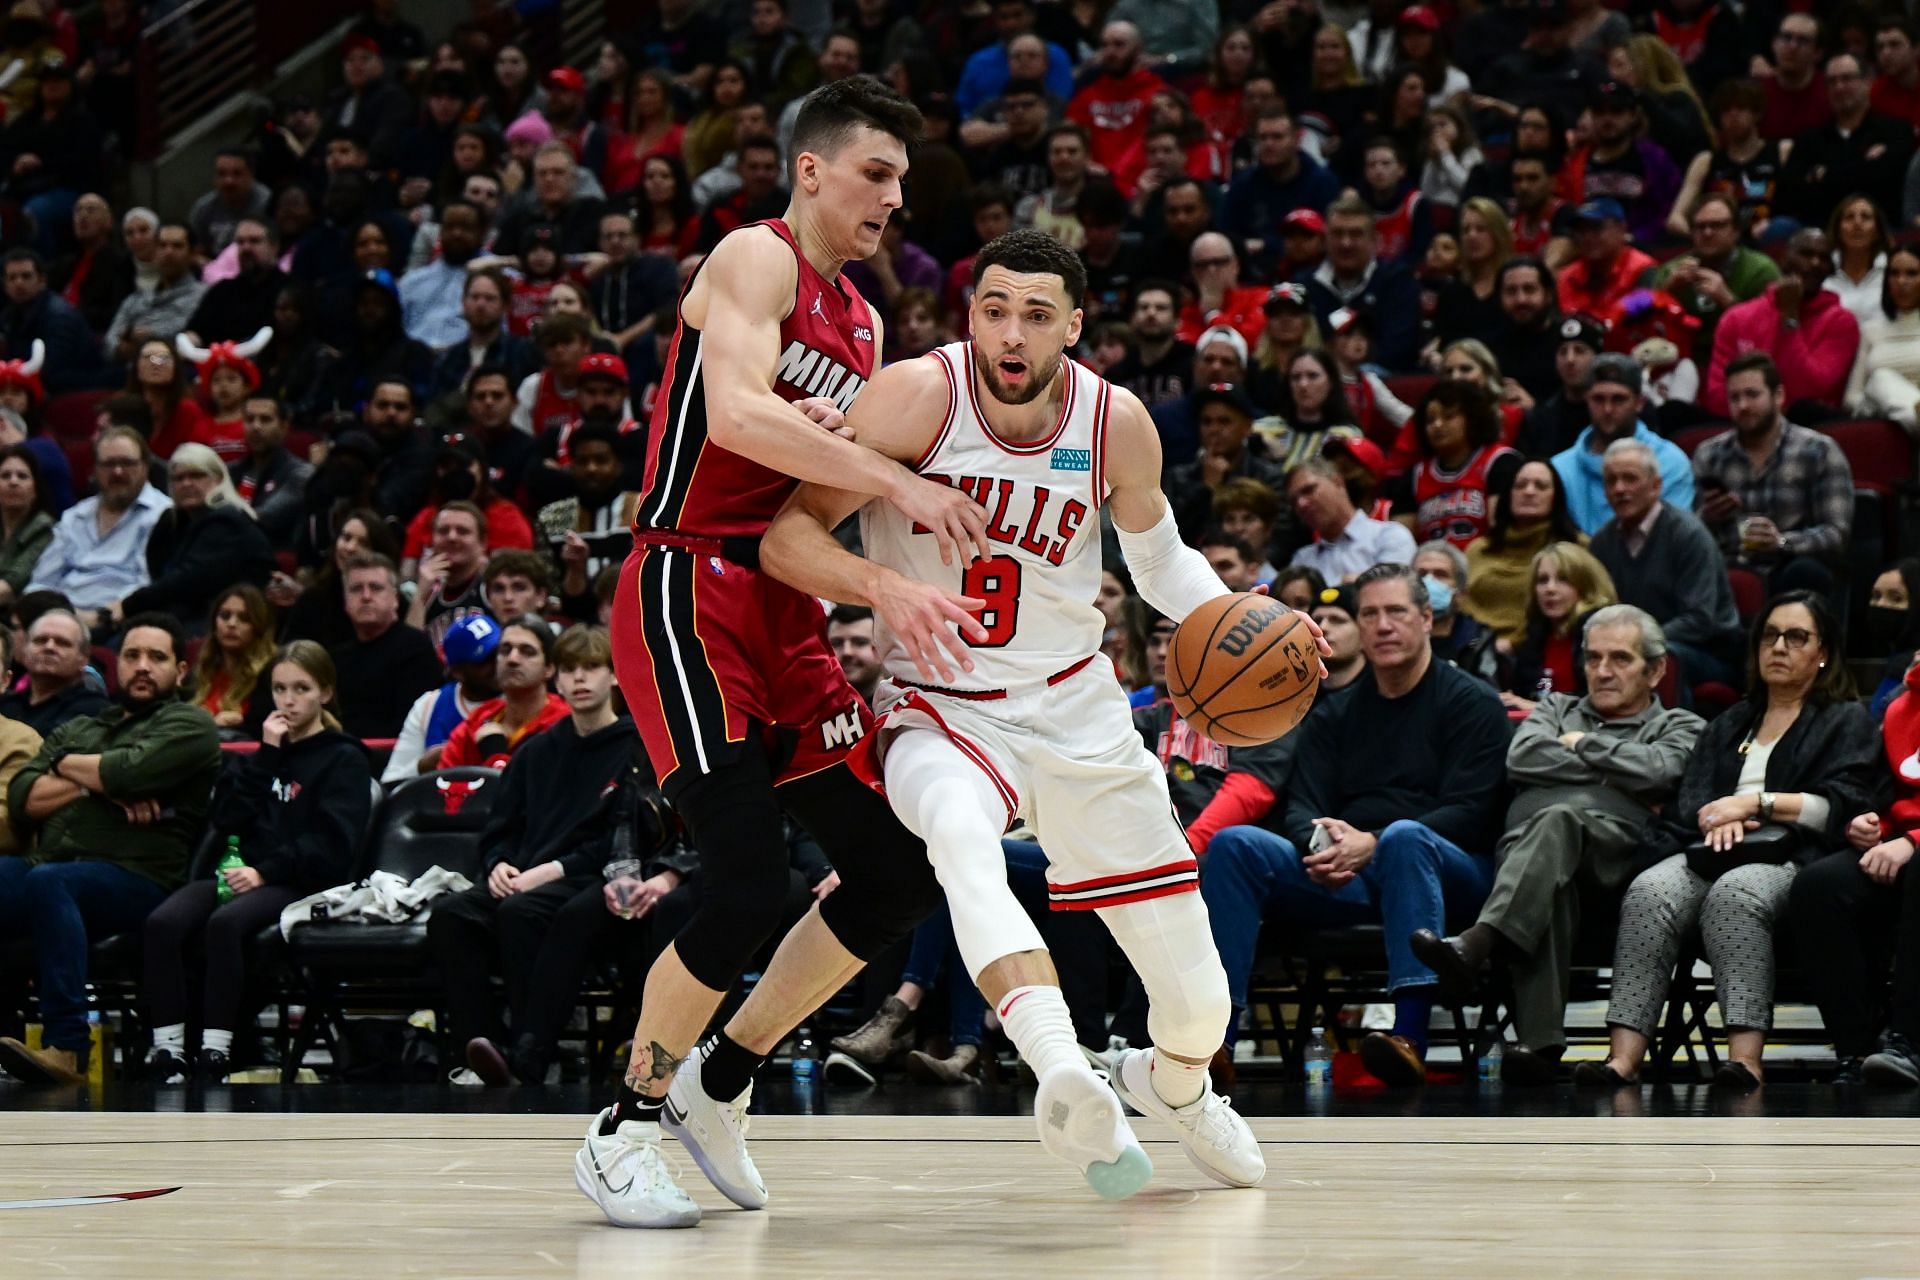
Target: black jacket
<point x="552" y="796"/>
<point x="300" y="810"/>
<point x="78" y="699"/>
<point x="235" y="309"/>
<point x="379" y="681"/>
<point x="1437" y="755"/>
<point x="194" y="558"/>
<point x="1832" y="750"/>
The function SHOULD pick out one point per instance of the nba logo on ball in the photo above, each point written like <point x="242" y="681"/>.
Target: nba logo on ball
<point x="1243" y="669"/>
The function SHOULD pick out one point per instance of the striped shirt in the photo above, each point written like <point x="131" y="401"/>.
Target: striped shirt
<point x="1804" y="486"/>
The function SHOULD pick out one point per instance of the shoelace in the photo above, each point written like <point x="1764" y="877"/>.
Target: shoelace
<point x="1213" y="1121"/>
<point x="657" y="1169"/>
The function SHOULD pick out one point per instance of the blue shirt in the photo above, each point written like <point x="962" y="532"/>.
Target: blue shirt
<point x="986" y="75"/>
<point x="1579" y="469"/>
<point x="93" y="571"/>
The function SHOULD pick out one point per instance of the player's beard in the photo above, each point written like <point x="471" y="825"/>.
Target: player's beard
<point x="1038" y="379"/>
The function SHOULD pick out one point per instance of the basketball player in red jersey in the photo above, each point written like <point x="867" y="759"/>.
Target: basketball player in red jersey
<point x="737" y="696"/>
<point x="1036" y="726"/>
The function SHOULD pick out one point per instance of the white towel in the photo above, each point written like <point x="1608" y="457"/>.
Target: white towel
<point x="382" y="896"/>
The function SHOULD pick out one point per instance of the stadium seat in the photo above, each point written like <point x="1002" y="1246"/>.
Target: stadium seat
<point x="1749" y="592"/>
<point x="429" y="821"/>
<point x="1693" y="437"/>
<point x="1411" y="387"/>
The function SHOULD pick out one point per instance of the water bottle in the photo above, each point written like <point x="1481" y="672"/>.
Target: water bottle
<point x="1490" y="1062"/>
<point x="1319" y="1060"/>
<point x="222" y="892"/>
<point x="805" y="1063"/>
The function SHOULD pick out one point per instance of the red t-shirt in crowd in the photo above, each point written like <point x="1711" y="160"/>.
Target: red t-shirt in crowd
<point x="225" y="436"/>
<point x="1114" y="111"/>
<point x="462" y="747"/>
<point x="507" y="530"/>
<point x="186" y="424"/>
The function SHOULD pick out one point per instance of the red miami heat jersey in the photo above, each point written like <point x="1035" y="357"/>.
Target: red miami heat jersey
<point x="1042" y="499"/>
<point x="695" y="486"/>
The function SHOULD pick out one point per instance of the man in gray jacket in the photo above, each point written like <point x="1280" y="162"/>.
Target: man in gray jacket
<point x="1588" y="774"/>
<point x="1663" y="559"/>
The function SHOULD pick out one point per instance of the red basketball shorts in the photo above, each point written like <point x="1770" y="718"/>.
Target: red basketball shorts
<point x="706" y="650"/>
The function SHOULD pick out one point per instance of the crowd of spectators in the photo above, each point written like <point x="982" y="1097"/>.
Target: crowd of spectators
<point x="1437" y="309"/>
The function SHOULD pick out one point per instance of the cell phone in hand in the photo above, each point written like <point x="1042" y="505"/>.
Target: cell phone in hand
<point x="1321" y="841"/>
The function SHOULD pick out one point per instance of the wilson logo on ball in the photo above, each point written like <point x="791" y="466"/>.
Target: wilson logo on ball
<point x="1241" y="634"/>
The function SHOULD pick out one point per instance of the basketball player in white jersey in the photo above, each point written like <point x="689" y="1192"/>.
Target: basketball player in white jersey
<point x="1028" y="718"/>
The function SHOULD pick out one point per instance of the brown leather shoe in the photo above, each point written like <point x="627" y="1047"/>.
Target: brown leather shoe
<point x="1451" y="969"/>
<point x="1524" y="1068"/>
<point x="1393" y="1061"/>
<point x="41" y="1066"/>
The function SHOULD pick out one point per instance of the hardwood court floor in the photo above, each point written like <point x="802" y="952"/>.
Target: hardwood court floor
<point x="918" y="1198"/>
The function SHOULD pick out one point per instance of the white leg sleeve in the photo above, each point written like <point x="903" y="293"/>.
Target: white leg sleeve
<point x="1170" y="575"/>
<point x="1170" y="944"/>
<point x="946" y="800"/>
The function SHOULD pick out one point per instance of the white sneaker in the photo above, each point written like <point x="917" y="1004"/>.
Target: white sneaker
<point x="464" y="1078"/>
<point x="624" y="1173"/>
<point x="1083" y="1123"/>
<point x="1103" y="1061"/>
<point x="1211" y="1132"/>
<point x="715" y="1133"/>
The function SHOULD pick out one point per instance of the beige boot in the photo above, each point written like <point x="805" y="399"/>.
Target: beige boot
<point x="41" y="1066"/>
<point x="873" y="1043"/>
<point x="961" y="1067"/>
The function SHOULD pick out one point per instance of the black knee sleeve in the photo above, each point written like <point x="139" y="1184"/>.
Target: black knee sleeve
<point x="887" y="886"/>
<point x="735" y="822"/>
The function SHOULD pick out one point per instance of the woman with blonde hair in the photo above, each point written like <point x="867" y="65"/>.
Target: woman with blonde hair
<point x="1676" y="117"/>
<point x="294" y="812"/>
<point x="239" y="646"/>
<point x="201" y="545"/>
<point x="1568" y="585"/>
<point x="1471" y="304"/>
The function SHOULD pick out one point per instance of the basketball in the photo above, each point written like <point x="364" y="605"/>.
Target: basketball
<point x="1243" y="669"/>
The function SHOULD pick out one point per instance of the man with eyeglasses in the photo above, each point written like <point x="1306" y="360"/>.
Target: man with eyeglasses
<point x="1219" y="297"/>
<point x="1857" y="151"/>
<point x="1390" y="816"/>
<point x="1796" y="91"/>
<point x="99" y="550"/>
<point x="1778" y="497"/>
<point x="1588" y="774"/>
<point x="1719" y="273"/>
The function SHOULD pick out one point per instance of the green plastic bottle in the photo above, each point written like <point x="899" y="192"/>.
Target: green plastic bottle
<point x="231" y="858"/>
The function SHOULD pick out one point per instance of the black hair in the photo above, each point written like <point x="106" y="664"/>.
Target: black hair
<point x="1158" y="284"/>
<point x="1834" y="684"/>
<point x="159" y="622"/>
<point x="27" y="459"/>
<point x="1469" y="400"/>
<point x="1886" y="285"/>
<point x="1218" y="537"/>
<point x="1033" y="252"/>
<point x="241" y="154"/>
<point x="1560" y="525"/>
<point x="848" y="613"/>
<point x="1538" y="264"/>
<point x="597" y="427"/>
<point x="460" y="202"/>
<point x="831" y="114"/>
<point x="1335" y="412"/>
<point x="24" y="254"/>
<point x="1024" y="85"/>
<point x="490" y="371"/>
<point x="985" y="195"/>
<point x="1756" y="362"/>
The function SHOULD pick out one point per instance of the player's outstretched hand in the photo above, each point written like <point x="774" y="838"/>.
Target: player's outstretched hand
<point x="957" y="520"/>
<point x="923" y="617"/>
<point x="826" y="414"/>
<point x="1319" y="636"/>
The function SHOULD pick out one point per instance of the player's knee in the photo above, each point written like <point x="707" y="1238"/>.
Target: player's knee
<point x="734" y="919"/>
<point x="1190" y="1017"/>
<point x="870" y="914"/>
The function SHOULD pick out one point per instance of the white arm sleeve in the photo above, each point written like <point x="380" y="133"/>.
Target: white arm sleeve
<point x="1171" y="576"/>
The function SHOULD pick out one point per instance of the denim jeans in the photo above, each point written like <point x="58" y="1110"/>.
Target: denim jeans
<point x="64" y="904"/>
<point x="1415" y="880"/>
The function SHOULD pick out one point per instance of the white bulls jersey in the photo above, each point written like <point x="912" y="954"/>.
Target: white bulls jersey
<point x="1042" y="501"/>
